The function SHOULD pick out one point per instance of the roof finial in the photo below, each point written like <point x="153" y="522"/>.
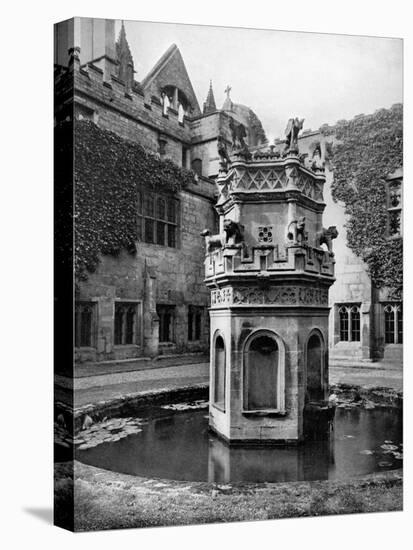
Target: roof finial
<point x="228" y="105"/>
<point x="124" y="56"/>
<point x="209" y="104"/>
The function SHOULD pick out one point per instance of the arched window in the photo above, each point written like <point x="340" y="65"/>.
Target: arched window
<point x="126" y="323"/>
<point x="264" y="373"/>
<point x="84" y="321"/>
<point x="219" y="372"/>
<point x="393" y="324"/>
<point x="196" y="166"/>
<point x="349" y="319"/>
<point x="355" y="323"/>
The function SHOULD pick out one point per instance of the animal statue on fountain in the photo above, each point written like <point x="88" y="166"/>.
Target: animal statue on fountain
<point x="294" y="126"/>
<point x="232" y="236"/>
<point x="238" y="135"/>
<point x="326" y="236"/>
<point x="317" y="162"/>
<point x="296" y="233"/>
<point x="223" y="155"/>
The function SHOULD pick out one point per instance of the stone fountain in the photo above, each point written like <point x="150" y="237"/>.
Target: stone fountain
<point x="269" y="269"/>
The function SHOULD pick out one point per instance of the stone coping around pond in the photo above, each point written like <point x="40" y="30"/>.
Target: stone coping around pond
<point x="135" y="401"/>
<point x="345" y="392"/>
<point x="160" y="502"/>
<point x="115" y="419"/>
<point x="233" y="487"/>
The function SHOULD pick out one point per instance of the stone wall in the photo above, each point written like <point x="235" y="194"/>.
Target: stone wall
<point x="154" y="275"/>
<point x="132" y="116"/>
<point x="353" y="284"/>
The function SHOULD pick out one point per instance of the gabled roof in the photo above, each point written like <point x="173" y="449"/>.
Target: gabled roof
<point x="170" y="70"/>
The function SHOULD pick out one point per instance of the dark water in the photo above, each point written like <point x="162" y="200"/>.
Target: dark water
<point x="179" y="446"/>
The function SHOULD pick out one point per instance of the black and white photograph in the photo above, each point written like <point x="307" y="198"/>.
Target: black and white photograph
<point x="237" y="259"/>
<point x="206" y="275"/>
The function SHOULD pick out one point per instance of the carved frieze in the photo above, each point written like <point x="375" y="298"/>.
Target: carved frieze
<point x="259" y="179"/>
<point x="309" y="187"/>
<point x="221" y="297"/>
<point x="282" y="295"/>
<point x="271" y="179"/>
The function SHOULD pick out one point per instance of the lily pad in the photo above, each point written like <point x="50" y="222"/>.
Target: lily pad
<point x="385" y="464"/>
<point x="388" y="447"/>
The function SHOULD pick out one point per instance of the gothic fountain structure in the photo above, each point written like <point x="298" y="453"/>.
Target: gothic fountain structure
<point x="269" y="270"/>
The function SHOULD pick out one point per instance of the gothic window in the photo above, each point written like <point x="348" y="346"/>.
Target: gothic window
<point x="195" y="316"/>
<point x="166" y="314"/>
<point x="196" y="166"/>
<point x="184" y="156"/>
<point x="139" y="219"/>
<point x="162" y="146"/>
<point x="263" y="374"/>
<point x="355" y="324"/>
<point x="126" y="323"/>
<point x="84" y="320"/>
<point x="394" y="207"/>
<point x="219" y="359"/>
<point x="393" y="323"/>
<point x="349" y="319"/>
<point x="157" y="219"/>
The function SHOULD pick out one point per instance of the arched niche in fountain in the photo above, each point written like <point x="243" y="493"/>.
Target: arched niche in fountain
<point x="219" y="367"/>
<point x="315" y="364"/>
<point x="264" y="373"/>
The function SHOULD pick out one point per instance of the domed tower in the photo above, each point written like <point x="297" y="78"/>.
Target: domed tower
<point x="269" y="270"/>
<point x="255" y="133"/>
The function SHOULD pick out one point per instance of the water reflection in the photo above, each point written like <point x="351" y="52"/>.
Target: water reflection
<point x="307" y="462"/>
<point x="179" y="446"/>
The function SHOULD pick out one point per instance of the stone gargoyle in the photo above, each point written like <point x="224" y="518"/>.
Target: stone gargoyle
<point x="296" y="233"/>
<point x="232" y="236"/>
<point x="326" y="236"/>
<point x="223" y="154"/>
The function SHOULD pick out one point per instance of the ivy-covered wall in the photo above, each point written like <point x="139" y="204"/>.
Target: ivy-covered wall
<point x="108" y="172"/>
<point x="366" y="151"/>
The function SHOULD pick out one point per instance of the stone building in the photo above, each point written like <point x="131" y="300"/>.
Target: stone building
<point x="154" y="302"/>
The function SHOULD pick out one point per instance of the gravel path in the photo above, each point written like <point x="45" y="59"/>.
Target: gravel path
<point x="104" y="387"/>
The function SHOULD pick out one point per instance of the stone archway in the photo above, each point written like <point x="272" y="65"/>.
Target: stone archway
<point x="219" y="368"/>
<point x="263" y="372"/>
<point x="315" y="368"/>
